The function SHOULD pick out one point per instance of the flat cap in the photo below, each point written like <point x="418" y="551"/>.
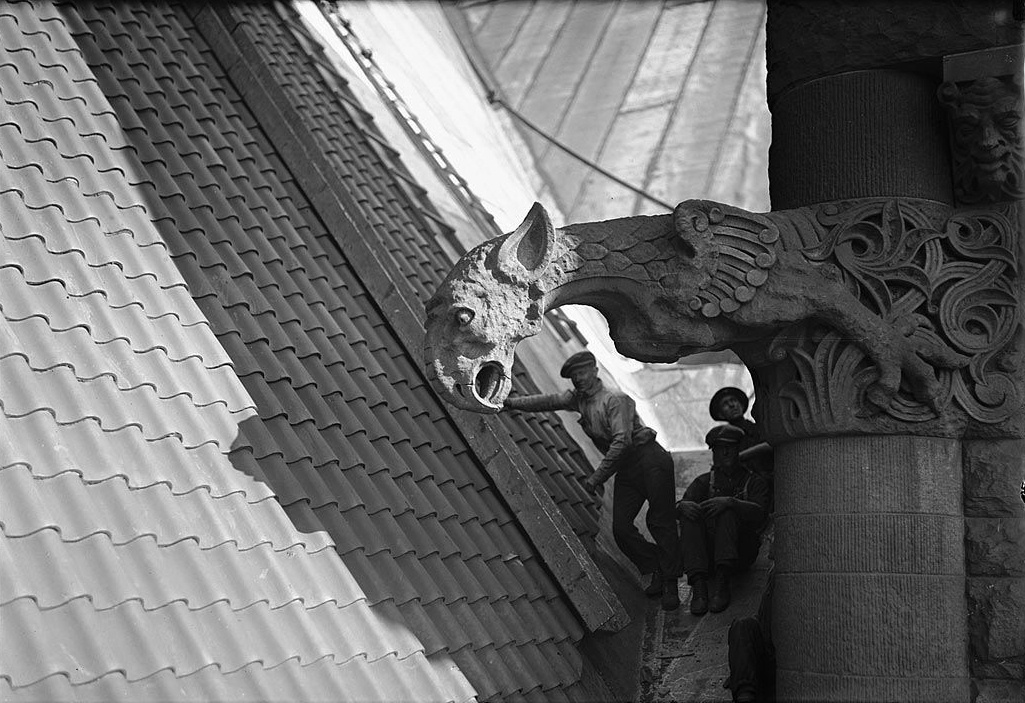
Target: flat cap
<point x="584" y="358"/>
<point x="713" y="405"/>
<point x="724" y="434"/>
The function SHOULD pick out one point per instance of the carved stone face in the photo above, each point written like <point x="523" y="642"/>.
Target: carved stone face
<point x="986" y="138"/>
<point x="481" y="311"/>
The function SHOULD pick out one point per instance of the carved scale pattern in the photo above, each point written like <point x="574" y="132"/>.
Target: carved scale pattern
<point x="947" y="281"/>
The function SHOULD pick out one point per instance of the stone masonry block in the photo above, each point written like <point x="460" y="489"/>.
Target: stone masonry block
<point x="997" y="691"/>
<point x="996" y="620"/>
<point x="995" y="546"/>
<point x="993" y="472"/>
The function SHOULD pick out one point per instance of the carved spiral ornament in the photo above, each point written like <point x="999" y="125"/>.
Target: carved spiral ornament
<point x="946" y="281"/>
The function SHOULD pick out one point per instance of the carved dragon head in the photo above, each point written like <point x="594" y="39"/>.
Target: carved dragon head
<point x="488" y="303"/>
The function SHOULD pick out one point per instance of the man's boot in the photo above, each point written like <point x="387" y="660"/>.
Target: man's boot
<point x="654" y="587"/>
<point x="699" y="594"/>
<point x="670" y="595"/>
<point x="720" y="591"/>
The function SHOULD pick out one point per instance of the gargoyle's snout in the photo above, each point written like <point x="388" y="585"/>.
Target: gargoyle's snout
<point x="478" y="387"/>
<point x="490" y="385"/>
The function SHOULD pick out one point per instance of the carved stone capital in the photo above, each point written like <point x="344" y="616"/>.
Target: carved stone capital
<point x="945" y="281"/>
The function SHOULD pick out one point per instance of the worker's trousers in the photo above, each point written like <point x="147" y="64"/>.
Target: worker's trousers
<point x="647" y="474"/>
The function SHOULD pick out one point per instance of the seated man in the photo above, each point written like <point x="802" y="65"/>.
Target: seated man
<point x="720" y="515"/>
<point x="729" y="404"/>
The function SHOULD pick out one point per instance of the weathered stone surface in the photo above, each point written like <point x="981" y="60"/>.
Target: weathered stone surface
<point x="996" y="614"/>
<point x="995" y="546"/>
<point x="997" y="691"/>
<point x="986" y="137"/>
<point x="993" y="473"/>
<point x="810" y="38"/>
<point x="912" y="328"/>
<point x="875" y="523"/>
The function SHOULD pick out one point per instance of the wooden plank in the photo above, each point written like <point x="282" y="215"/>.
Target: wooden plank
<point x="740" y="175"/>
<point x="476" y="13"/>
<point x="640" y="125"/>
<point x="669" y="56"/>
<point x="502" y="26"/>
<point x="682" y="166"/>
<point x="603" y="89"/>
<point x="634" y="137"/>
<point x="515" y="72"/>
<point x="549" y="96"/>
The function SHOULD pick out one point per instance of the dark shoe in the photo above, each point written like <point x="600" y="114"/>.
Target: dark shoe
<point x="670" y="595"/>
<point x="720" y="593"/>
<point x="654" y="587"/>
<point x="744" y="697"/>
<point x="699" y="596"/>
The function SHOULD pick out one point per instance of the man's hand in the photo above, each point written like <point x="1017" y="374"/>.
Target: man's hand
<point x="688" y="509"/>
<point x="592" y="485"/>
<point x="714" y="506"/>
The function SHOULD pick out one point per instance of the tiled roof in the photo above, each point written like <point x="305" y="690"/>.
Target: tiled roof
<point x="221" y="477"/>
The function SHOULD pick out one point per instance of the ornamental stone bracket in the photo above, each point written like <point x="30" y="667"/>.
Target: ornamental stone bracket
<point x="868" y="316"/>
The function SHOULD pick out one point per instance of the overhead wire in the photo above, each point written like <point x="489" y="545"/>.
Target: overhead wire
<point x="494" y="99"/>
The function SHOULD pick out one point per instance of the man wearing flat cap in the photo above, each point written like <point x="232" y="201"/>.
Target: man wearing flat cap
<point x="721" y="513"/>
<point x="644" y="471"/>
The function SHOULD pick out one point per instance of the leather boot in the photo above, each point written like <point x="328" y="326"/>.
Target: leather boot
<point x="720" y="592"/>
<point x="699" y="595"/>
<point x="670" y="595"/>
<point x="654" y="587"/>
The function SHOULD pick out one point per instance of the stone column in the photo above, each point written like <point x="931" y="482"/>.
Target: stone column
<point x="870" y="535"/>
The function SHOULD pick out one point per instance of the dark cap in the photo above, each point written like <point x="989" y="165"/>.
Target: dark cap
<point x="713" y="405"/>
<point x="724" y="434"/>
<point x="584" y="358"/>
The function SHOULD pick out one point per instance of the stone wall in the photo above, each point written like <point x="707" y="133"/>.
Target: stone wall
<point x="995" y="559"/>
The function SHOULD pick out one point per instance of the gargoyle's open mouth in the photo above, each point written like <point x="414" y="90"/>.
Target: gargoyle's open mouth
<point x="488" y="382"/>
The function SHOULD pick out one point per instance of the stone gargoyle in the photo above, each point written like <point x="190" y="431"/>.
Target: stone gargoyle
<point x="706" y="277"/>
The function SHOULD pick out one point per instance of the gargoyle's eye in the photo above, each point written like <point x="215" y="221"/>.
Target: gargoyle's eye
<point x="464" y="316"/>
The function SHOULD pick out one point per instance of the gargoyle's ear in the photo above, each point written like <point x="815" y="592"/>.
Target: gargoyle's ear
<point x="693" y="220"/>
<point x="529" y="249"/>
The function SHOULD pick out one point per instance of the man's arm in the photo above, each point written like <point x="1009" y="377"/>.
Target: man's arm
<point x="688" y="506"/>
<point x="753" y="508"/>
<point x="620" y="418"/>
<point x="541" y="402"/>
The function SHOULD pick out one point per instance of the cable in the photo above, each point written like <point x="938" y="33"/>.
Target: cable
<point x="493" y="99"/>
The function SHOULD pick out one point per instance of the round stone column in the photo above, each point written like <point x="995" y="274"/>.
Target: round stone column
<point x="869" y="599"/>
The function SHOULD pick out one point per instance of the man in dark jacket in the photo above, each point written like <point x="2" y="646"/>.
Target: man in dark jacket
<point x="721" y="513"/>
<point x="643" y="469"/>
